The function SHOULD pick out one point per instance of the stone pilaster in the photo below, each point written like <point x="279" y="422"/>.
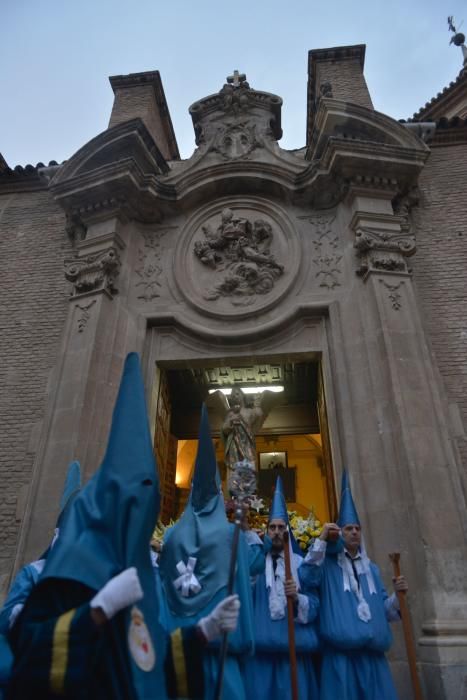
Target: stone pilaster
<point x="423" y="486"/>
<point x="99" y="331"/>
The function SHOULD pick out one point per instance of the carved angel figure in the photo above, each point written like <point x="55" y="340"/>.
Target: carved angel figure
<point x="242" y="249"/>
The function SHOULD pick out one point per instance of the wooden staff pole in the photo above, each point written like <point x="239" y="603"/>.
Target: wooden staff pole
<point x="290" y="621"/>
<point x="408" y="634"/>
<point x="230" y="590"/>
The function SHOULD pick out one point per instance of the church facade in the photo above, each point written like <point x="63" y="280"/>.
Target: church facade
<point x="338" y="269"/>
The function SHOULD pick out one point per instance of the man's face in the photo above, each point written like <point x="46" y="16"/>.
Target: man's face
<point x="276" y="529"/>
<point x="352" y="536"/>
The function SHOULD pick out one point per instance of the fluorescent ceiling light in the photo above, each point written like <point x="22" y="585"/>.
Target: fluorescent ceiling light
<point x="276" y="388"/>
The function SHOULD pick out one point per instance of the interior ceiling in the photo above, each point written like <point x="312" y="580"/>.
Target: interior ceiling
<point x="295" y="411"/>
<point x="190" y="387"/>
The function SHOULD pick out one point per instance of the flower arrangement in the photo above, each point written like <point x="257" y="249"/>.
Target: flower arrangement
<point x="305" y="530"/>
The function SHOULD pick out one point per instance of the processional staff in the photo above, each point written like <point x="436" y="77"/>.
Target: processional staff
<point x="290" y="621"/>
<point x="242" y="485"/>
<point x="407" y="626"/>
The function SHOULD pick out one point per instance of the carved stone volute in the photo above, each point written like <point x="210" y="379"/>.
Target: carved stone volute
<point x="381" y="250"/>
<point x="94" y="273"/>
<point x="96" y="264"/>
<point x="383" y="239"/>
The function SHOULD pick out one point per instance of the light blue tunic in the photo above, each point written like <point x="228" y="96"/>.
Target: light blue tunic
<point x="268" y="673"/>
<point x="354" y="666"/>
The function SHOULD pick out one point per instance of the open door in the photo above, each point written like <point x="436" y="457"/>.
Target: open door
<point x="165" y="448"/>
<point x="326" y="447"/>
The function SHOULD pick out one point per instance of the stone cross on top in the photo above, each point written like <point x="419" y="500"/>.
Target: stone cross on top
<point x="236" y="79"/>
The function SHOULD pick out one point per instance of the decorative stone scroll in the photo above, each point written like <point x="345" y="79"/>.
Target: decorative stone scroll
<point x="239" y="251"/>
<point x="94" y="273"/>
<point x="383" y="250"/>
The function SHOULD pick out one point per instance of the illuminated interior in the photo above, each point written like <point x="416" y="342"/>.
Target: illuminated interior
<point x="289" y="442"/>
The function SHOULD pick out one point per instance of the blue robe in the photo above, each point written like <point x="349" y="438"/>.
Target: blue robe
<point x="23" y="584"/>
<point x="354" y="666"/>
<point x="241" y="642"/>
<point x="267" y="674"/>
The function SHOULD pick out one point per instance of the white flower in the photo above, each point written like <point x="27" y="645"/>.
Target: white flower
<point x="256" y="503"/>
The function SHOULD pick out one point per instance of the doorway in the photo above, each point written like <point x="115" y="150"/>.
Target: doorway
<point x="292" y="442"/>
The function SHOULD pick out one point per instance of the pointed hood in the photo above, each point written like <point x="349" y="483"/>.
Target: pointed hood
<point x="71" y="488"/>
<point x="194" y="563"/>
<point x="206" y="480"/>
<point x="202" y="533"/>
<point x="279" y="510"/>
<point x="279" y="506"/>
<point x="109" y="524"/>
<point x="347" y="512"/>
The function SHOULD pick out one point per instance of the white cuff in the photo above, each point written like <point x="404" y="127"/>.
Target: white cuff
<point x="14" y="614"/>
<point x="303" y="609"/>
<point x="317" y="553"/>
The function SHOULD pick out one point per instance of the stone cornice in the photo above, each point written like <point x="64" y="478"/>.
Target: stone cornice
<point x="121" y="170"/>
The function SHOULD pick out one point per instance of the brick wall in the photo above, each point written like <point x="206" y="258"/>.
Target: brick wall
<point x="347" y="80"/>
<point x="440" y="270"/>
<point x="33" y="308"/>
<point x="140" y="102"/>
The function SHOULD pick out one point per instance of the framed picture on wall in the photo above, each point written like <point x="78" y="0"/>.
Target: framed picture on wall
<point x="272" y="460"/>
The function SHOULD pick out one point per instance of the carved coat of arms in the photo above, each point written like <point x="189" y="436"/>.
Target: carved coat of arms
<point x="239" y="251"/>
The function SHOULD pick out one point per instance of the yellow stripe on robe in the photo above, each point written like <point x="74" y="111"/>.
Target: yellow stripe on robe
<point x="60" y="652"/>
<point x="178" y="656"/>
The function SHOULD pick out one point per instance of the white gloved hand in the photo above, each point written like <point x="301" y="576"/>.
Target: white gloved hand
<point x="223" y="618"/>
<point x="122" y="590"/>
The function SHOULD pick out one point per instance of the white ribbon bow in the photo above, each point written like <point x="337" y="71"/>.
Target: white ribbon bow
<point x="187" y="581"/>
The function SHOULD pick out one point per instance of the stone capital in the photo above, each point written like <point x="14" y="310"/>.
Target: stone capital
<point x="95" y="267"/>
<point x="382" y="243"/>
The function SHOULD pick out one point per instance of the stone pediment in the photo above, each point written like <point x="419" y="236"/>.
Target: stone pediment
<point x="343" y="120"/>
<point x="128" y="140"/>
<point x="120" y="168"/>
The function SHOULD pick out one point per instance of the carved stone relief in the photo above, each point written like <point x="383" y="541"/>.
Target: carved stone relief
<point x="237" y="255"/>
<point x="236" y="140"/>
<point x="237" y="119"/>
<point x="149" y="268"/>
<point x="326" y="254"/>
<point x="394" y="297"/>
<point x="239" y="251"/>
<point x="94" y="273"/>
<point x="85" y="315"/>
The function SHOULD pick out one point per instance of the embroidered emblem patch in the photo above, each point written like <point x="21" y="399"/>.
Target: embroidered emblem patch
<point x="139" y="641"/>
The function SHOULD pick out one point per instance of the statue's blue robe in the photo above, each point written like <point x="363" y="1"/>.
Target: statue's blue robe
<point x="354" y="666"/>
<point x="23" y="584"/>
<point x="268" y="672"/>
